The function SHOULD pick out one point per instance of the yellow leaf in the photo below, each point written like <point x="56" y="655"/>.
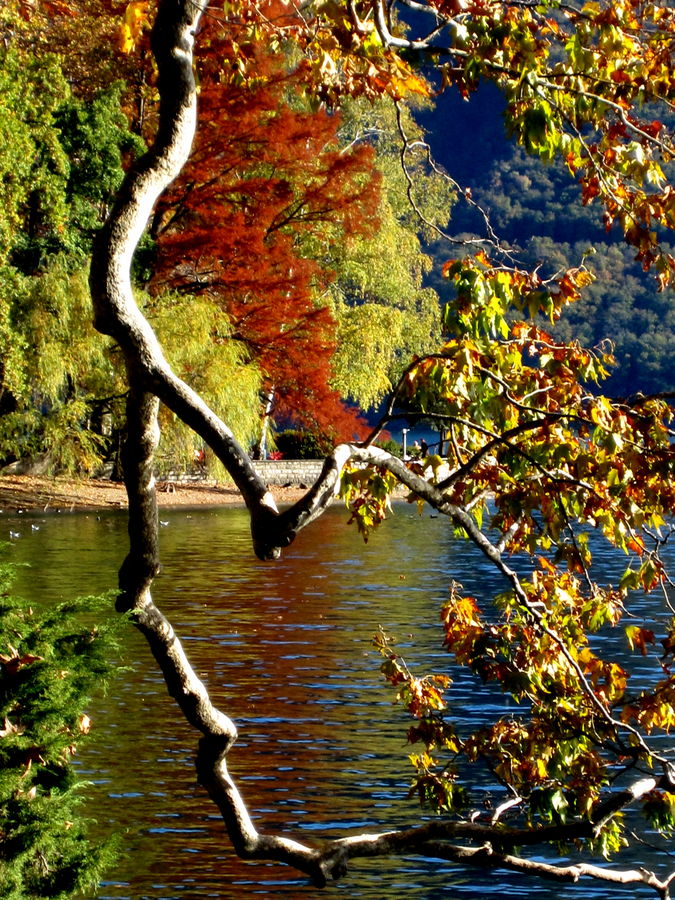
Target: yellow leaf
<point x="434" y="460"/>
<point x="405" y="81"/>
<point x="84" y="724"/>
<point x="135" y="17"/>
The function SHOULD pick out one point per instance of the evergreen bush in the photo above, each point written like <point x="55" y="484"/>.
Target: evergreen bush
<point x="50" y="662"/>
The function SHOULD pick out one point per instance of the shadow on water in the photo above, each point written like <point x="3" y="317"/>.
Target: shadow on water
<point x="285" y="649"/>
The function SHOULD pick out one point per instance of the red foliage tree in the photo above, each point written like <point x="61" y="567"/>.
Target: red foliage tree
<point x="251" y="221"/>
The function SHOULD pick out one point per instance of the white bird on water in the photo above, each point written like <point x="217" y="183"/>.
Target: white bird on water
<point x="14" y="534"/>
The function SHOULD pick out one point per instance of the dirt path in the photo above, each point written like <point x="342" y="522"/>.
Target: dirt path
<point x="44" y="493"/>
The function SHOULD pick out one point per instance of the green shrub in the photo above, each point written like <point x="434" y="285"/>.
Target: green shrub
<point x="391" y="446"/>
<point x="49" y="663"/>
<point x="302" y="445"/>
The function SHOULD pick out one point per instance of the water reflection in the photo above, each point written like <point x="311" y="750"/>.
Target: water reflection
<point x="285" y="649"/>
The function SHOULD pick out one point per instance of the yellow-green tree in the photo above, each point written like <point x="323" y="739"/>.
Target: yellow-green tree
<point x="66" y="141"/>
<point x="384" y="310"/>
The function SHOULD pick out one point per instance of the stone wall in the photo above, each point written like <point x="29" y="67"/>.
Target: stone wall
<point x="288" y="471"/>
<point x="272" y="471"/>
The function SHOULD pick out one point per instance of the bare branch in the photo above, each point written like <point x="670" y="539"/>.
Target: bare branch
<point x="406" y="146"/>
<point x="117" y="313"/>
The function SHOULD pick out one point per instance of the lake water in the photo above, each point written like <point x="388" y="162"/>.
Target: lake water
<point x="285" y="648"/>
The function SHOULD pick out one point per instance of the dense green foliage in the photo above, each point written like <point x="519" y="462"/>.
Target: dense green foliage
<point x="295" y="444"/>
<point x="197" y="334"/>
<point x="50" y="663"/>
<point x="61" y="163"/>
<point x="62" y="394"/>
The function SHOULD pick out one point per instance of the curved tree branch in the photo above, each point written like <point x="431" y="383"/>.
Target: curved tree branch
<point x="151" y="379"/>
<point x="116" y="312"/>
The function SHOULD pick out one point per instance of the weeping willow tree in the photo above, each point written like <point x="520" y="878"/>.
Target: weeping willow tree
<point x="62" y="384"/>
<point x="197" y="337"/>
<point x="60" y="163"/>
<point x="384" y="310"/>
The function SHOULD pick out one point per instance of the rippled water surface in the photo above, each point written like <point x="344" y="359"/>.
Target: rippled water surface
<point x="285" y="649"/>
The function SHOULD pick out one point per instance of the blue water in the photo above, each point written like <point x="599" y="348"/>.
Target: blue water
<point x="286" y="650"/>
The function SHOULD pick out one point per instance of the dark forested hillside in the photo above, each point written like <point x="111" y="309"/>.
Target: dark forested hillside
<point x="536" y="207"/>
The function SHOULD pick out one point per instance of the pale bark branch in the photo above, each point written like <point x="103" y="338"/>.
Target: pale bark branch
<point x="116" y="312"/>
<point x="142" y="562"/>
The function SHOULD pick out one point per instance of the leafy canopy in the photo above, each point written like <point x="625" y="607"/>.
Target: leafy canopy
<point x="539" y="465"/>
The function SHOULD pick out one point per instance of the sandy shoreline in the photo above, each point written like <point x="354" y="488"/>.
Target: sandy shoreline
<point x="30" y="492"/>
